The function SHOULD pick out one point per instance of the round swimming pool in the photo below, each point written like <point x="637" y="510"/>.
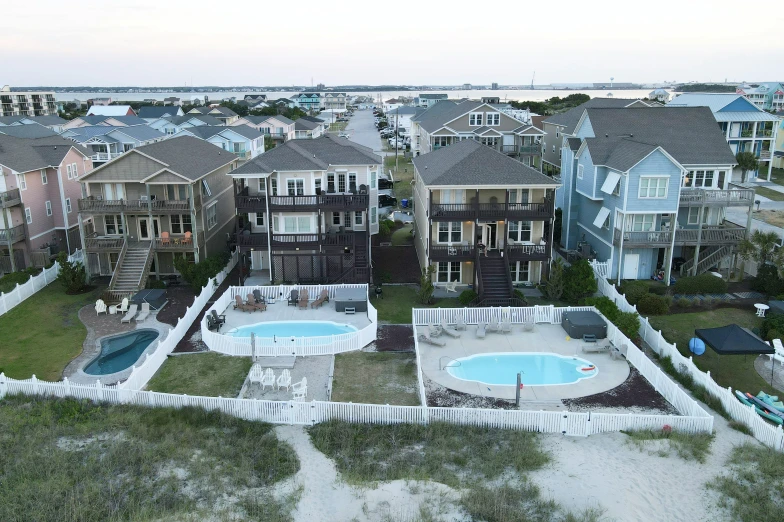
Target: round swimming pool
<point x="120" y="352"/>
<point x="538" y="369"/>
<point x="292" y="329"/>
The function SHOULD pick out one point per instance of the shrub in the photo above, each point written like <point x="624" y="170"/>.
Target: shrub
<point x="768" y="281"/>
<point x="199" y="274"/>
<point x="9" y="281"/>
<point x="466" y="296"/>
<point x="659" y="289"/>
<point x="683" y="303"/>
<point x="554" y="287"/>
<point x="426" y="287"/>
<point x="605" y="305"/>
<point x="652" y="304"/>
<point x="72" y="275"/>
<point x="634" y="290"/>
<point x="772" y="326"/>
<point x="155" y="284"/>
<point x="579" y="281"/>
<point x="628" y="323"/>
<point x="518" y="294"/>
<point x="701" y="284"/>
<point x="385" y="227"/>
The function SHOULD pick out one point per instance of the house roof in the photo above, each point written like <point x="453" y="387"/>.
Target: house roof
<point x="303" y="124"/>
<point x="158" y="111"/>
<point x="433" y="96"/>
<point x="207" y="110"/>
<point x="574" y="143"/>
<point x="126" y="120"/>
<point x="208" y="120"/>
<point x="311" y="118"/>
<point x="48" y="120"/>
<point x="10" y="120"/>
<point x="715" y="101"/>
<point x="468" y="162"/>
<point x="24" y="155"/>
<point x="187" y="156"/>
<point x="316" y="154"/>
<point x="405" y="110"/>
<point x="688" y="134"/>
<point x="744" y="116"/>
<point x="261" y="119"/>
<point x="110" y="110"/>
<point x="570" y="118"/>
<point x="33" y="130"/>
<point x="443" y="111"/>
<point x="208" y="131"/>
<point x="140" y="132"/>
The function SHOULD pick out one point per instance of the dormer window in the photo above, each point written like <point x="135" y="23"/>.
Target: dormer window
<point x="475" y="119"/>
<point x="493" y="118"/>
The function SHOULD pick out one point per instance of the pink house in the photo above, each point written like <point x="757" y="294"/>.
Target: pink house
<point x="39" y="190"/>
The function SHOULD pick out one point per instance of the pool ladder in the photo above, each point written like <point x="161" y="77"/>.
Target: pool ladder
<point x="447" y="364"/>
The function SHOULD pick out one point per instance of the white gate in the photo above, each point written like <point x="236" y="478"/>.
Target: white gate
<point x="544" y="314"/>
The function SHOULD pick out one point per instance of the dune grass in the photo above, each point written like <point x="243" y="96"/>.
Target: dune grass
<point x="208" y="374"/>
<point x="375" y="378"/>
<point x="688" y="446"/>
<point x="64" y="460"/>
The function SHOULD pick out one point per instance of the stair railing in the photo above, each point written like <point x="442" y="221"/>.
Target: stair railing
<point x="117" y="267"/>
<point x="147" y="266"/>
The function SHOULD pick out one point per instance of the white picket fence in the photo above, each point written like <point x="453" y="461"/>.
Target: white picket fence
<point x="152" y="361"/>
<point x="764" y="432"/>
<point x="21" y="292"/>
<point x="297" y="346"/>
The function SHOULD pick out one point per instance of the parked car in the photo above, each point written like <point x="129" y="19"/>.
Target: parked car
<point x="344" y="134"/>
<point x="384" y="184"/>
<point x="386" y="201"/>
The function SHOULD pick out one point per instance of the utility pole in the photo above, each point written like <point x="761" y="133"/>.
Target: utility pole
<point x="397" y="136"/>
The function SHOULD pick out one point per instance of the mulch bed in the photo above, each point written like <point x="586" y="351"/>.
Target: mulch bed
<point x="399" y="263"/>
<point x="191" y="341"/>
<point x="635" y="392"/>
<point x="441" y="397"/>
<point x="179" y="298"/>
<point x="395" y="338"/>
<point x="377" y="239"/>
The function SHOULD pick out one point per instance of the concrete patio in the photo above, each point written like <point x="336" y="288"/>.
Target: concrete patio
<point x="545" y="338"/>
<point x="315" y="368"/>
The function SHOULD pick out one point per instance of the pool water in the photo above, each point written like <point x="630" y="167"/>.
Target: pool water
<point x="120" y="352"/>
<point x="538" y="369"/>
<point x="293" y="329"/>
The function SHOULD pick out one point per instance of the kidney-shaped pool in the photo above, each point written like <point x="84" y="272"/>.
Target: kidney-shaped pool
<point x="293" y="329"/>
<point x="537" y="369"/>
<point x="119" y="352"/>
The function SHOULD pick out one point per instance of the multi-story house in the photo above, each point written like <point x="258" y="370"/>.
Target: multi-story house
<point x="246" y="142"/>
<point x="307" y="210"/>
<point x="765" y="96"/>
<point x="648" y="185"/>
<point x="778" y="152"/>
<point x="308" y="101"/>
<point x="13" y="103"/>
<point x="55" y="123"/>
<point x="401" y="117"/>
<point x="448" y="122"/>
<point x="111" y="110"/>
<point x="482" y="219"/>
<point x="104" y="143"/>
<point x="171" y="125"/>
<point x="151" y="113"/>
<point x="172" y="100"/>
<point x="39" y="188"/>
<point x="225" y="115"/>
<point x="335" y="101"/>
<point x="307" y="129"/>
<point x="114" y="121"/>
<point x="560" y="126"/>
<point x="746" y="127"/>
<point x="428" y="100"/>
<point x="155" y="203"/>
<point x="277" y="127"/>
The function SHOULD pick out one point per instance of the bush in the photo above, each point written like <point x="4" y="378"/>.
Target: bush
<point x="199" y="274"/>
<point x="634" y="290"/>
<point x="466" y="296"/>
<point x="521" y="296"/>
<point x="651" y="304"/>
<point x="604" y="304"/>
<point x="554" y="287"/>
<point x="772" y="326"/>
<point x="9" y="281"/>
<point x="659" y="289"/>
<point x="72" y="275"/>
<point x="426" y="287"/>
<point x="701" y="284"/>
<point x="683" y="303"/>
<point x="627" y="322"/>
<point x="579" y="281"/>
<point x="385" y="227"/>
<point x="768" y="281"/>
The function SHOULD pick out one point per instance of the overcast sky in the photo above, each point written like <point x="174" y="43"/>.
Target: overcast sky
<point x="240" y="42"/>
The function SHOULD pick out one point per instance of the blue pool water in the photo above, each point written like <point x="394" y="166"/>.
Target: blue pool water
<point x="293" y="329"/>
<point x="120" y="352"/>
<point x="538" y="369"/>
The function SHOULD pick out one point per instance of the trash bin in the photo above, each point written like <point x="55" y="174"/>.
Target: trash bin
<point x="404" y="203"/>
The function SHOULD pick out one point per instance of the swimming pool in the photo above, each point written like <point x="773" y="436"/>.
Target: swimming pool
<point x="119" y="352"/>
<point x="292" y="329"/>
<point x="538" y="369"/>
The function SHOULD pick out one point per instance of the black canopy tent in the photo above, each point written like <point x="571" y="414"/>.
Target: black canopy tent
<point x="734" y="340"/>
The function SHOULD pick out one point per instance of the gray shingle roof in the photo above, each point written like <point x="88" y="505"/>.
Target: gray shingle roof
<point x="8" y="120"/>
<point x="574" y="143"/>
<point x="436" y="116"/>
<point x="126" y="120"/>
<point x="207" y="110"/>
<point x="140" y="132"/>
<point x="33" y="130"/>
<point x="207" y="131"/>
<point x="158" y="111"/>
<point x="48" y="120"/>
<point x="468" y="162"/>
<point x="257" y="119"/>
<point x="208" y="120"/>
<point x="317" y="154"/>
<point x="245" y="130"/>
<point x="404" y="110"/>
<point x="303" y="124"/>
<point x="24" y="155"/>
<point x="570" y="118"/>
<point x="688" y="134"/>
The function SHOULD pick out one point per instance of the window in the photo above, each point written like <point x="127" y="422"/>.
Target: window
<point x="641" y="222"/>
<point x="580" y="169"/>
<point x="260" y="219"/>
<point x="262" y="186"/>
<point x="212" y="215"/>
<point x="700" y="178"/>
<point x="336" y="218"/>
<point x="558" y="132"/>
<point x="331" y="182"/>
<point x="341" y="182"/>
<point x="518" y="196"/>
<point x="618" y="219"/>
<point x="352" y="181"/>
<point x="239" y="147"/>
<point x="114" y="225"/>
<point x="694" y="216"/>
<point x="181" y="224"/>
<point x="347" y="219"/>
<point x="490" y="142"/>
<point x="28" y="215"/>
<point x="68" y="172"/>
<point x="44" y="178"/>
<point x="274" y="186"/>
<point x="373" y="179"/>
<point x="296" y="187"/>
<point x="275" y="224"/>
<point x="653" y="188"/>
<point x="75" y="172"/>
<point x="205" y="189"/>
<point x="22" y="182"/>
<point x="68" y="205"/>
<point x="176" y="192"/>
<point x="553" y="149"/>
<point x="373" y="211"/>
<point x="48" y="208"/>
<point x="294" y="224"/>
<point x="617" y="190"/>
<point x="317" y="183"/>
<point x="358" y="220"/>
<point x="450" y="232"/>
<point x="475" y="119"/>
<point x="448" y="272"/>
<point x="493" y="118"/>
<point x="519" y="231"/>
<point x="519" y="271"/>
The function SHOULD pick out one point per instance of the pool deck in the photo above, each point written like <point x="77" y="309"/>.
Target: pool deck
<point x="281" y="311"/>
<point x="546" y="338"/>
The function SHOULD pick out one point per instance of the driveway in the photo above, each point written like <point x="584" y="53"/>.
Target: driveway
<point x="363" y="131"/>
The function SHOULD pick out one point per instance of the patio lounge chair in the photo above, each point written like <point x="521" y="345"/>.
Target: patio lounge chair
<point x="300" y="389"/>
<point x="144" y="313"/>
<point x="256" y="374"/>
<point x="596" y="347"/>
<point x="506" y="326"/>
<point x="460" y="323"/>
<point x="258" y="297"/>
<point x="528" y="326"/>
<point x="268" y="379"/>
<point x="447" y="330"/>
<point x="425" y="338"/>
<point x="293" y="298"/>
<point x="123" y="306"/>
<point x="452" y="287"/>
<point x="433" y="330"/>
<point x="220" y="320"/>
<point x="303" y="298"/>
<point x="255" y="304"/>
<point x="131" y="314"/>
<point x="100" y="307"/>
<point x="284" y="380"/>
<point x="494" y="327"/>
<point x="242" y="306"/>
<point x="324" y="297"/>
<point x="481" y="330"/>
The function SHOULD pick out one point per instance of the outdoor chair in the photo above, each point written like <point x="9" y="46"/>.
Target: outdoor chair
<point x="481" y="330"/>
<point x="256" y="374"/>
<point x="212" y="324"/>
<point x="426" y="338"/>
<point x="220" y="320"/>
<point x="165" y="240"/>
<point x="506" y="326"/>
<point x="303" y="299"/>
<point x="451" y="332"/>
<point x="324" y="297"/>
<point x="242" y="306"/>
<point x="451" y="287"/>
<point x="434" y="330"/>
<point x="130" y="315"/>
<point x="494" y="327"/>
<point x="284" y="380"/>
<point x="188" y="239"/>
<point x="257" y="296"/>
<point x="300" y="389"/>
<point x="528" y="326"/>
<point x="255" y="304"/>
<point x="268" y="379"/>
<point x="100" y="307"/>
<point x="460" y="323"/>
<point x="144" y="313"/>
<point x="123" y="306"/>
<point x="293" y="298"/>
<point x="595" y="348"/>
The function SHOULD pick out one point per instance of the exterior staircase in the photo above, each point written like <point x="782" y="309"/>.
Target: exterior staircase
<point x="496" y="285"/>
<point x="709" y="258"/>
<point x="131" y="272"/>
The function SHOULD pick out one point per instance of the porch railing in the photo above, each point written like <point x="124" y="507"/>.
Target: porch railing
<point x="10" y="198"/>
<point x="12" y="234"/>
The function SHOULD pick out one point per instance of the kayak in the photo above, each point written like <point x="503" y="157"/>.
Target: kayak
<point x="766" y="410"/>
<point x="773" y="400"/>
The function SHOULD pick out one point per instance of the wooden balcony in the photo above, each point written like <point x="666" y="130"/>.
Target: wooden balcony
<point x="683" y="237"/>
<point x="10" y="198"/>
<point x="247" y="240"/>
<point x="695" y="197"/>
<point x="527" y="252"/>
<point x="133" y="206"/>
<point x="104" y="244"/>
<point x="12" y="235"/>
<point x="455" y="252"/>
<point x="173" y="244"/>
<point x="499" y="211"/>
<point x="329" y="202"/>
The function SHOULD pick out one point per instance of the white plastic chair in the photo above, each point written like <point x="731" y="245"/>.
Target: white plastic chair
<point x="123" y="306"/>
<point x="268" y="379"/>
<point x="284" y="380"/>
<point x="130" y="315"/>
<point x="300" y="389"/>
<point x="100" y="307"/>
<point x="256" y="374"/>
<point x="451" y="287"/>
<point x="460" y="323"/>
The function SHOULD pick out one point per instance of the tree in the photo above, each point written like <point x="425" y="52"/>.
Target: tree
<point x="534" y="106"/>
<point x="579" y="281"/>
<point x="747" y="161"/>
<point x="72" y="275"/>
<point x="426" y="287"/>
<point x="554" y="287"/>
<point x="269" y="143"/>
<point x="762" y="248"/>
<point x="199" y="274"/>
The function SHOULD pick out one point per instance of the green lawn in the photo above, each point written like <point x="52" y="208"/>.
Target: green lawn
<point x="398" y="302"/>
<point x="769" y="193"/>
<point x="777" y="176"/>
<point x="727" y="370"/>
<point x="206" y="374"/>
<point x="338" y="126"/>
<point x="375" y="378"/>
<point x="402" y="236"/>
<point x="402" y="175"/>
<point x="43" y="334"/>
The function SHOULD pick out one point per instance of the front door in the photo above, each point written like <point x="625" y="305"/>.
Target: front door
<point x="146" y="233"/>
<point x="489" y="236"/>
<point x="631" y="265"/>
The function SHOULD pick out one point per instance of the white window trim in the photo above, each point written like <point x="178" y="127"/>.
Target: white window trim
<point x="476" y="116"/>
<point x="28" y="216"/>
<point x="449" y="271"/>
<point x="75" y="170"/>
<point x="48" y="205"/>
<point x="68" y="207"/>
<point x="263" y="221"/>
<point x="296" y="182"/>
<point x="666" y="187"/>
<point x="580" y="170"/>
<point x="21" y="181"/>
<point x="496" y="117"/>
<point x="696" y="216"/>
<point x="450" y="229"/>
<point x="44" y="177"/>
<point x="68" y="172"/>
<point x="207" y="212"/>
